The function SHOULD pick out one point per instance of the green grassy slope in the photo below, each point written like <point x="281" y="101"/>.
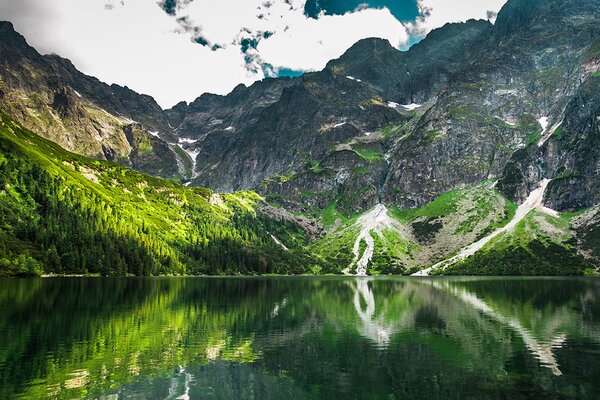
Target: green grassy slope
<point x="541" y="244"/>
<point x="63" y="213"/>
<point x="428" y="234"/>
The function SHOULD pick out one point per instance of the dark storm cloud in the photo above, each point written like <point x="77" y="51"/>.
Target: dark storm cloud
<point x="403" y="10"/>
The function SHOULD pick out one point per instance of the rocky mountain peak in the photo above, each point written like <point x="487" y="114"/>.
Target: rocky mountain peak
<point x="9" y="37"/>
<point x="519" y="17"/>
<point x="365" y="47"/>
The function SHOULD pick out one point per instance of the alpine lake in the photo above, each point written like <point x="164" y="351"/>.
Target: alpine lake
<point x="300" y="338"/>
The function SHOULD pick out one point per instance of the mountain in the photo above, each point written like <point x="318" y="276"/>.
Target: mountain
<point x="475" y="151"/>
<point x="48" y="95"/>
<point x="64" y="213"/>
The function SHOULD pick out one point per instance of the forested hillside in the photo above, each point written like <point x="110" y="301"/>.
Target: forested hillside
<point x="64" y="213"/>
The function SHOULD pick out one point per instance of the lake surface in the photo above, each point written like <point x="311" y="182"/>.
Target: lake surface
<point x="300" y="338"/>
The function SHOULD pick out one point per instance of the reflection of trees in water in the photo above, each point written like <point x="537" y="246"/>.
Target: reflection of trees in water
<point x="220" y="380"/>
<point x="89" y="334"/>
<point x="310" y="330"/>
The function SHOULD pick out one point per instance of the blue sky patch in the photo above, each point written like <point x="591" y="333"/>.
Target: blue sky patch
<point x="403" y="10"/>
<point x="290" y="73"/>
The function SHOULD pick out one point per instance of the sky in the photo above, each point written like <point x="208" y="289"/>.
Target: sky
<point x="175" y="50"/>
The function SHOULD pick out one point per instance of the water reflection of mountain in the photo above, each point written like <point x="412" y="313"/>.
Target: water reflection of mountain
<point x="302" y="337"/>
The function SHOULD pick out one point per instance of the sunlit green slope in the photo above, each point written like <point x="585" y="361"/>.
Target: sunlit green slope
<point x="63" y="213"/>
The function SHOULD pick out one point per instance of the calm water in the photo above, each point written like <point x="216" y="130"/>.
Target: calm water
<point x="300" y="338"/>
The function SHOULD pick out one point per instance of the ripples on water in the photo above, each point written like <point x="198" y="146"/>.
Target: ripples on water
<point x="300" y="338"/>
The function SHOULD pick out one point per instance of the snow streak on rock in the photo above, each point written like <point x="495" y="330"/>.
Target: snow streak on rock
<point x="546" y="133"/>
<point x="411" y="106"/>
<point x="353" y="78"/>
<point x="283" y="246"/>
<point x="187" y="140"/>
<point x="192" y="153"/>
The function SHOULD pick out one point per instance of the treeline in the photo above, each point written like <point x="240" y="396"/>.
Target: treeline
<point x="55" y="223"/>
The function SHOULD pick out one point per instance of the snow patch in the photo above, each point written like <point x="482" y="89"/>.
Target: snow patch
<point x="411" y="106"/>
<point x="353" y="78"/>
<point x="547" y="134"/>
<point x="543" y="121"/>
<point x="340" y="124"/>
<point x="391" y="104"/>
<point x="154" y="133"/>
<point x="368" y="133"/>
<point x="229" y="128"/>
<point x="187" y="140"/>
<point x="192" y="153"/>
<point x="77" y="93"/>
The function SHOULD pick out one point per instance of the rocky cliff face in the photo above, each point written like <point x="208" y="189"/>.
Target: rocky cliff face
<point x="525" y="72"/>
<point x="48" y="95"/>
<point x="414" y="76"/>
<point x="569" y="156"/>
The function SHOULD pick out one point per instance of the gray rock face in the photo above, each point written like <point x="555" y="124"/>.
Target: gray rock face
<point x="328" y="109"/>
<point x="149" y="153"/>
<point x="418" y="74"/>
<point x="115" y="99"/>
<point x="570" y="156"/>
<point x="485" y="119"/>
<point x="51" y="97"/>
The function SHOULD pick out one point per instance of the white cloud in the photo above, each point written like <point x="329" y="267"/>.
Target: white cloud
<point x="309" y="43"/>
<point x="136" y="43"/>
<point x="436" y="13"/>
<point x="297" y="42"/>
